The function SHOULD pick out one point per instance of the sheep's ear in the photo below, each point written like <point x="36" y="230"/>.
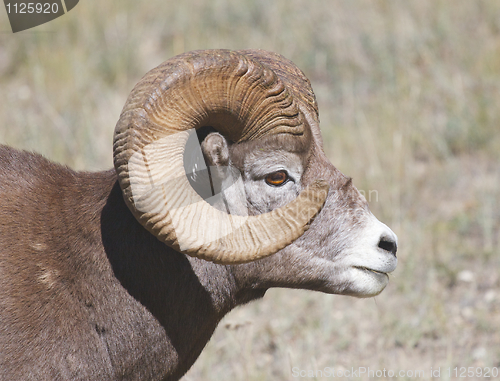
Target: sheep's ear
<point x="215" y="149"/>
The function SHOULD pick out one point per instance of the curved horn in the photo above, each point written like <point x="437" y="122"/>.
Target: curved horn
<point x="243" y="100"/>
<point x="293" y="78"/>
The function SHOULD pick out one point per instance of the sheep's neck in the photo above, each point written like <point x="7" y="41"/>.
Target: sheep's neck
<point x="167" y="304"/>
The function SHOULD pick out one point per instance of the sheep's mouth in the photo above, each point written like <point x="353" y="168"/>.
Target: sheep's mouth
<point x="370" y="270"/>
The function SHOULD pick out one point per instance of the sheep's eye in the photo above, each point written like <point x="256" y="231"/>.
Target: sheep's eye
<point x="277" y="178"/>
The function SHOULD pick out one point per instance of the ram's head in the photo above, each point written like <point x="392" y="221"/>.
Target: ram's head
<point x="219" y="155"/>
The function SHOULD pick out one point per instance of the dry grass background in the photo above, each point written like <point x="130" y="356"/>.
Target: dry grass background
<point x="409" y="96"/>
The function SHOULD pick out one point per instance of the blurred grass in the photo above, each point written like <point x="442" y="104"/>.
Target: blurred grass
<point x="409" y="96"/>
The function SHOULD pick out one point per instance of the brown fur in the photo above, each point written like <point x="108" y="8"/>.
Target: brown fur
<point x="88" y="294"/>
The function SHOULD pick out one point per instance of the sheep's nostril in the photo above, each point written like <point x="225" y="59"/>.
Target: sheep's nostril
<point x="388" y="244"/>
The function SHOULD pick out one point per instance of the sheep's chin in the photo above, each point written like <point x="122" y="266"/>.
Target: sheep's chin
<point x="365" y="283"/>
<point x="357" y="281"/>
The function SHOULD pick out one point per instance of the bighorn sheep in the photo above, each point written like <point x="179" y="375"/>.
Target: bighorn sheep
<point x="124" y="274"/>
